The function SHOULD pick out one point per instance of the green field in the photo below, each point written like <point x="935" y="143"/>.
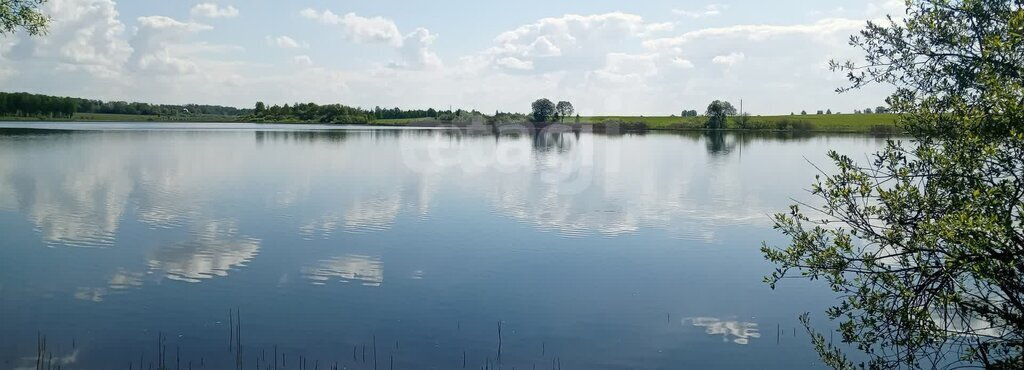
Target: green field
<point x="809" y="122"/>
<point x="864" y="123"/>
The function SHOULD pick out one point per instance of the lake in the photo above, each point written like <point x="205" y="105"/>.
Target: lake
<point x="586" y="251"/>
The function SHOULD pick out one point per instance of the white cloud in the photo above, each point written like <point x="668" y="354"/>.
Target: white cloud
<point x="158" y="22"/>
<point x="822" y="29"/>
<point x="785" y="81"/>
<point x="627" y="68"/>
<point x="414" y="47"/>
<point x="542" y="47"/>
<point x="730" y="60"/>
<point x="302" y="60"/>
<point x="360" y="29"/>
<point x="569" y="42"/>
<point x="572" y="31"/>
<point x="211" y="10"/>
<point x="158" y="45"/>
<point x="881" y="8"/>
<point x="514" y="63"/>
<point x="5" y="72"/>
<point x="285" y="42"/>
<point x="710" y="10"/>
<point x="327" y="16"/>
<point x="642" y="65"/>
<point x="654" y="28"/>
<point x="416" y="53"/>
<point x="682" y="63"/>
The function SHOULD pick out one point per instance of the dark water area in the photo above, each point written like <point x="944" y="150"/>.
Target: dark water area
<point x="633" y="251"/>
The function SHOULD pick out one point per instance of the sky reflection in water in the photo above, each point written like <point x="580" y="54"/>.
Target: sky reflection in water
<point x="583" y="243"/>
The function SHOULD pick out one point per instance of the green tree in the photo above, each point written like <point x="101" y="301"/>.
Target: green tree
<point x="260" y="109"/>
<point x="564" y="109"/>
<point x="803" y="113"/>
<point x="925" y="243"/>
<point x="543" y="110"/>
<point x="22" y="15"/>
<point x="718" y="113"/>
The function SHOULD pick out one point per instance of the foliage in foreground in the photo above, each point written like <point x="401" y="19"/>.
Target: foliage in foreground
<point x="925" y="244"/>
<point x="22" y="15"/>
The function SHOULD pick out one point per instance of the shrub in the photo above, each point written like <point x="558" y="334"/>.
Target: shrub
<point x="620" y="125"/>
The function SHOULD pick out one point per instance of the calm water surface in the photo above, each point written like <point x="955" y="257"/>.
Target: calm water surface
<point x="592" y="251"/>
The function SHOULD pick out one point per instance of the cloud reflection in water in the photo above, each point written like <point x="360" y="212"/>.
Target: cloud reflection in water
<point x="58" y="361"/>
<point x="738" y="332"/>
<point x="122" y="280"/>
<point x="351" y="268"/>
<point x="215" y="251"/>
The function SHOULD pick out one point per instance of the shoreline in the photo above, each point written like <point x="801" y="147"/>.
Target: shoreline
<point x="766" y="124"/>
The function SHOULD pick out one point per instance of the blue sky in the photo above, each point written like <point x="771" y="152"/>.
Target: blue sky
<point x="607" y="57"/>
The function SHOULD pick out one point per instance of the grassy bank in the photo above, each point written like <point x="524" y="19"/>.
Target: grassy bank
<point x="405" y="121"/>
<point x="149" y="118"/>
<point x="855" y="123"/>
<point x="863" y="123"/>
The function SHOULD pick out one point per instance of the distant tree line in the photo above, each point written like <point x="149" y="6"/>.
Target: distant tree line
<point x="398" y="113"/>
<point x="868" y="110"/>
<point x="464" y="116"/>
<point x="27" y="105"/>
<point x="337" y="113"/>
<point x="310" y="112"/>
<point x="38" y="105"/>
